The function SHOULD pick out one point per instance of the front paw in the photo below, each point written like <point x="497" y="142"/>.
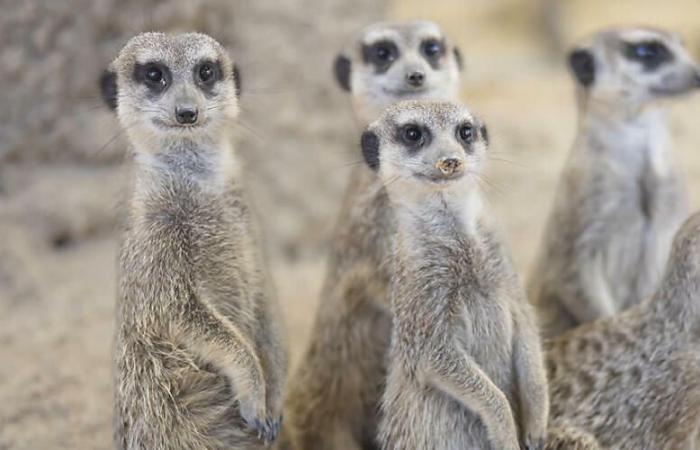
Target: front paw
<point x="259" y="421"/>
<point x="533" y="443"/>
<point x="267" y="429"/>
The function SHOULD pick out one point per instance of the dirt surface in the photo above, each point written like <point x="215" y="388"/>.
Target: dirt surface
<point x="62" y="161"/>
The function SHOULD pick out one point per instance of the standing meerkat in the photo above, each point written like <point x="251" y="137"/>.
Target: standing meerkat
<point x="633" y="380"/>
<point x="333" y="399"/>
<point x="621" y="198"/>
<point x="198" y="359"/>
<point x="465" y="366"/>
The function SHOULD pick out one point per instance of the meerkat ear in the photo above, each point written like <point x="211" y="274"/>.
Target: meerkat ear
<point x="108" y="88"/>
<point x="370" y="149"/>
<point x="484" y="134"/>
<point x="342" y="67"/>
<point x="582" y="66"/>
<point x="458" y="58"/>
<point x="237" y="80"/>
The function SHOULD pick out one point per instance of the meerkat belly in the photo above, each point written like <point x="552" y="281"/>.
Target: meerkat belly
<point x="486" y="334"/>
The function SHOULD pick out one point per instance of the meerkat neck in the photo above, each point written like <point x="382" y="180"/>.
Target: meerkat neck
<point x="207" y="166"/>
<point x="630" y="136"/>
<point x="446" y="212"/>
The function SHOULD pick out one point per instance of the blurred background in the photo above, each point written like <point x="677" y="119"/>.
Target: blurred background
<point x="63" y="159"/>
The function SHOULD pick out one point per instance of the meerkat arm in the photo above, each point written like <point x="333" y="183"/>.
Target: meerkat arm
<point x="590" y="299"/>
<point x="455" y="373"/>
<point x="531" y="379"/>
<point x="274" y="359"/>
<point x="214" y="338"/>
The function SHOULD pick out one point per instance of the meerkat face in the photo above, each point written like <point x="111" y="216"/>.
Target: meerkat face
<point x="393" y="62"/>
<point x="634" y="65"/>
<point x="426" y="146"/>
<point x="172" y="86"/>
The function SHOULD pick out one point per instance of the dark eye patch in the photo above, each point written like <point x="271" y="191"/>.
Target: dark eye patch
<point x="206" y="74"/>
<point x="432" y="50"/>
<point x="381" y="55"/>
<point x="651" y="54"/>
<point x="155" y="75"/>
<point x="413" y="136"/>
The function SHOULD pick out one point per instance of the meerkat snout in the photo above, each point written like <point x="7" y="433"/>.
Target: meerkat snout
<point x="186" y="114"/>
<point x="450" y="166"/>
<point x="415" y="78"/>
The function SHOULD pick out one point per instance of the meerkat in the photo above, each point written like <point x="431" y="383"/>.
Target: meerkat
<point x="465" y="363"/>
<point x="633" y="380"/>
<point x="198" y="357"/>
<point x="334" y="396"/>
<point x="621" y="198"/>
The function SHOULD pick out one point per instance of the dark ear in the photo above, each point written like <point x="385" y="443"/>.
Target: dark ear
<point x="108" y="88"/>
<point x="458" y="58"/>
<point x="342" y="67"/>
<point x="484" y="134"/>
<point x="237" y="80"/>
<point x="370" y="149"/>
<point x="582" y="66"/>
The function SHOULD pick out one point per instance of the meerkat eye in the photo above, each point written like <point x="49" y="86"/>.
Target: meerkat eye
<point x="206" y="74"/>
<point x="383" y="53"/>
<point x="651" y="54"/>
<point x="154" y="75"/>
<point x="412" y="135"/>
<point x="465" y="133"/>
<point x="432" y="48"/>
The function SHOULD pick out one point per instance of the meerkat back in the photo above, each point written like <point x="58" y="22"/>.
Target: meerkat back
<point x="633" y="380"/>
<point x="334" y="396"/>
<point x="198" y="359"/>
<point x="620" y="199"/>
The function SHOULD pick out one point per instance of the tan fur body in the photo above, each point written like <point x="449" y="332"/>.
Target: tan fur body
<point x="465" y="366"/>
<point x="333" y="401"/>
<point x="633" y="380"/>
<point x="198" y="358"/>
<point x="620" y="198"/>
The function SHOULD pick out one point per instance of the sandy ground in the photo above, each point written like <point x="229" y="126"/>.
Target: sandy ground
<point x="56" y="307"/>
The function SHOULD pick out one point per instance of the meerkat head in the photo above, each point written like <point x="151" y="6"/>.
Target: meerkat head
<point x="633" y="66"/>
<point x="426" y="147"/>
<point x="172" y="86"/>
<point x="390" y="62"/>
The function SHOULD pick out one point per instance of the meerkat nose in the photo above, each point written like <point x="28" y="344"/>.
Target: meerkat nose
<point x="415" y="79"/>
<point x="186" y="115"/>
<point x="450" y="166"/>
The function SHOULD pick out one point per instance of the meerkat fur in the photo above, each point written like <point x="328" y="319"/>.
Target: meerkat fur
<point x="465" y="365"/>
<point x="621" y="198"/>
<point x="334" y="396"/>
<point x="198" y="357"/>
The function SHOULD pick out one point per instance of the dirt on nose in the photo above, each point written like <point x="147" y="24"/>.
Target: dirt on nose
<point x="449" y="166"/>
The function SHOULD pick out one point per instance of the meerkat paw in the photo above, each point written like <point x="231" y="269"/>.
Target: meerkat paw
<point x="534" y="443"/>
<point x="258" y="420"/>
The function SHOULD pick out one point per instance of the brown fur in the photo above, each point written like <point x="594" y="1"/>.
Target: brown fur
<point x="333" y="401"/>
<point x="633" y="381"/>
<point x="465" y="370"/>
<point x="198" y="359"/>
<point x="621" y="197"/>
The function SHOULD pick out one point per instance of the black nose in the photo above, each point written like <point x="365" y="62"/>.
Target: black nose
<point x="697" y="79"/>
<point x="186" y="116"/>
<point x="415" y="78"/>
